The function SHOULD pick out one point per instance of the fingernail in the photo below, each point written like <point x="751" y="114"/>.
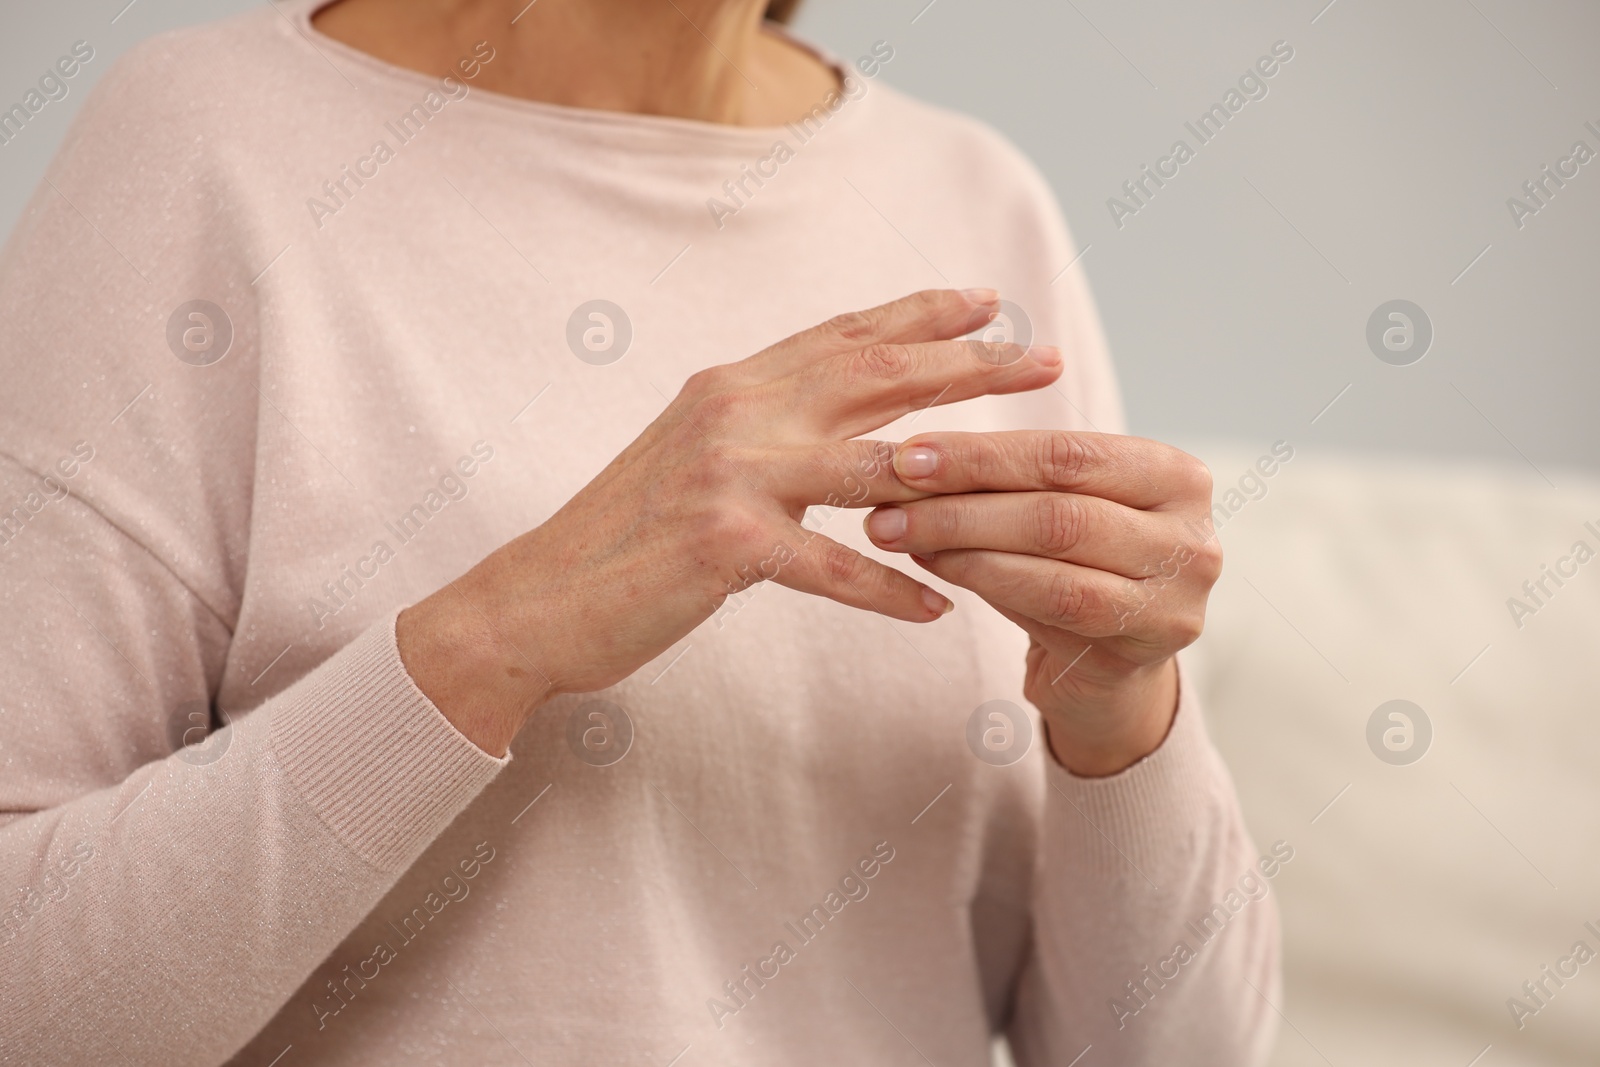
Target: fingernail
<point x="1045" y="355"/>
<point x="887" y="524"/>
<point x="918" y="461"/>
<point x="981" y="296"/>
<point x="936" y="602"/>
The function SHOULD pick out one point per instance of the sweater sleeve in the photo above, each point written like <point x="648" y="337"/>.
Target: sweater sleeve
<point x="167" y="885"/>
<point x="1154" y="935"/>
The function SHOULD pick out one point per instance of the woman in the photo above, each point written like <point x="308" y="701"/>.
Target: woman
<point x="384" y="390"/>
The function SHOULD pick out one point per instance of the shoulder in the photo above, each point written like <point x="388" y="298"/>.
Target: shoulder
<point x="150" y="208"/>
<point x="980" y="207"/>
<point x="178" y="68"/>
<point x="989" y="198"/>
<point x="959" y="151"/>
<point x="198" y="127"/>
<point x="973" y="196"/>
<point x="183" y="85"/>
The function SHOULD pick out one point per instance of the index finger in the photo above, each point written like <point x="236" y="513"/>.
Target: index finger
<point x="1134" y="471"/>
<point x="929" y="315"/>
<point x="858" y="392"/>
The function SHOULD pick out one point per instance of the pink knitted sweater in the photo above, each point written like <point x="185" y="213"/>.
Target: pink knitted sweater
<point x="290" y="337"/>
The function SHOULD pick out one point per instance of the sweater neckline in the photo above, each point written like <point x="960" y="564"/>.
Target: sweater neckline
<point x="637" y="129"/>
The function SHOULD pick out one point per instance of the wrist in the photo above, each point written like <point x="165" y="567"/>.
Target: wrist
<point x="1095" y="735"/>
<point x="459" y="659"/>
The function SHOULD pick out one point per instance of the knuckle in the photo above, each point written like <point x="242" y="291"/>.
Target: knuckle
<point x="883" y="361"/>
<point x="857" y="325"/>
<point x="841" y="564"/>
<point x="1186" y="629"/>
<point x="931" y="303"/>
<point x="720" y="408"/>
<point x="1208" y="559"/>
<point x="1063" y="457"/>
<point x="1066" y="598"/>
<point x="1196" y="476"/>
<point x="1061" y="522"/>
<point x="703" y="383"/>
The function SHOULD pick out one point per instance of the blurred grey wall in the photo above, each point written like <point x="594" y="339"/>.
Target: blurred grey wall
<point x="1375" y="165"/>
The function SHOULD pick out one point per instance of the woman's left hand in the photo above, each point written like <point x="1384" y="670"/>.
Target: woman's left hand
<point x="1099" y="546"/>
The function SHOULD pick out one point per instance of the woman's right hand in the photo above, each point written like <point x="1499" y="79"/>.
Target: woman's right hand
<point x="708" y="499"/>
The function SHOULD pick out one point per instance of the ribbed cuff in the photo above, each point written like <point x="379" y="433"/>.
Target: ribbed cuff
<point x="1147" y="813"/>
<point x="372" y="756"/>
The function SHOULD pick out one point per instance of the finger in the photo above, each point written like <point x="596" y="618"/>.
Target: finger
<point x="823" y="567"/>
<point x="1083" y="600"/>
<point x="929" y="315"/>
<point x="832" y="474"/>
<point x="1130" y="470"/>
<point x="1086" y="530"/>
<point x="837" y="474"/>
<point x="857" y="392"/>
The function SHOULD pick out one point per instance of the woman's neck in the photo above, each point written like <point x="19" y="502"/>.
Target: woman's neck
<point x="694" y="59"/>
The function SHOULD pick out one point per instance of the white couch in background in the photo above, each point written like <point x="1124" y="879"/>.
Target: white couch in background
<point x="1426" y="894"/>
